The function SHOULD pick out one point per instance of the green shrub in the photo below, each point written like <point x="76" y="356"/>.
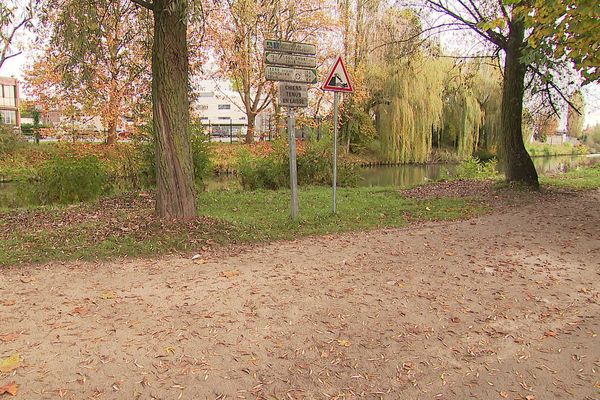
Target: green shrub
<point x="473" y="168"/>
<point x="271" y="172"/>
<point x="314" y="166"/>
<point x="484" y="154"/>
<point x="10" y="140"/>
<point x="71" y="179"/>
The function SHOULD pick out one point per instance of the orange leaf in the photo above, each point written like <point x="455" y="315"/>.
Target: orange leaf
<point x="80" y="310"/>
<point x="550" y="334"/>
<point x="230" y="274"/>
<point x="8" y="337"/>
<point x="11" y="389"/>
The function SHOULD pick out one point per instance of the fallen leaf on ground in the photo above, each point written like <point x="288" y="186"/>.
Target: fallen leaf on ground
<point x="456" y="320"/>
<point x="503" y="394"/>
<point x="80" y="310"/>
<point x="230" y="274"/>
<point x="344" y="342"/>
<point x="9" y="302"/>
<point x="108" y="295"/>
<point x="11" y="389"/>
<point x="450" y="253"/>
<point x="8" y="337"/>
<point x="550" y="334"/>
<point x="10" y="363"/>
<point x="530" y="397"/>
<point x="170" y="350"/>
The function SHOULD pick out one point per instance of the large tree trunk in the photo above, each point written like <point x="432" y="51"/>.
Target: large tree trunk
<point x="517" y="164"/>
<point x="170" y="105"/>
<point x="251" y="127"/>
<point x="111" y="135"/>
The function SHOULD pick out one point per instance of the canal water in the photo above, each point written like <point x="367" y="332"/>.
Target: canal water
<point x="415" y="174"/>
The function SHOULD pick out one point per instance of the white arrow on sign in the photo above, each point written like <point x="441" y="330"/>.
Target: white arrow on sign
<point x="291" y="60"/>
<point x="291" y="74"/>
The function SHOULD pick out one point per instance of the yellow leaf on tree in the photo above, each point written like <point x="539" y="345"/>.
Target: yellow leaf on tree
<point x="11" y="389"/>
<point x="11" y="363"/>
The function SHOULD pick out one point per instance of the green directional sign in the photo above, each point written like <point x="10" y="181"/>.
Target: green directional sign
<point x="286" y="74"/>
<point x="291" y="60"/>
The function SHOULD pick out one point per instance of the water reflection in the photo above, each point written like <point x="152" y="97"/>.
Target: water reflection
<point x="410" y="175"/>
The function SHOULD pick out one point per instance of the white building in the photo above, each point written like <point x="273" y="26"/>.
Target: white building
<point x="221" y="111"/>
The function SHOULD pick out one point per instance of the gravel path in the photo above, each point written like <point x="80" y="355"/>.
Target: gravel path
<point x="505" y="306"/>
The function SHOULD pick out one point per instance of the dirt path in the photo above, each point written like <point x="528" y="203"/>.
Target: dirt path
<point x="503" y="306"/>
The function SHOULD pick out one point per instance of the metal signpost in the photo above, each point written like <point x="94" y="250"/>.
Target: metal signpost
<point x="292" y="65"/>
<point x="337" y="81"/>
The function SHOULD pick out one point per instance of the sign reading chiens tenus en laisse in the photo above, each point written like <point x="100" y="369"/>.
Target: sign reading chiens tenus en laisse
<point x="293" y="94"/>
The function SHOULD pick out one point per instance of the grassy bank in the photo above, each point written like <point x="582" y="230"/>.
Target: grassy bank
<point x="579" y="178"/>
<point x="125" y="226"/>
<point x="548" y="150"/>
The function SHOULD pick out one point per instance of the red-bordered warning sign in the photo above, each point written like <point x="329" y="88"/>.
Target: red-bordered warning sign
<point x="338" y="79"/>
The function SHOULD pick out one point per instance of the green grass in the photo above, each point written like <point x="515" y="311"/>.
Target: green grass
<point x="265" y="215"/>
<point x="124" y="226"/>
<point x="545" y="150"/>
<point x="579" y="178"/>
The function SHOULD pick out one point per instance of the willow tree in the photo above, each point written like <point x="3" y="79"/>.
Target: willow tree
<point x="575" y="115"/>
<point x="463" y="115"/>
<point x="406" y="86"/>
<point x="487" y="87"/>
<point x="412" y="110"/>
<point x="562" y="31"/>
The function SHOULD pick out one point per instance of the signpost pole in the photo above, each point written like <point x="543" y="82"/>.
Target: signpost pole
<point x="293" y="170"/>
<point x="336" y="100"/>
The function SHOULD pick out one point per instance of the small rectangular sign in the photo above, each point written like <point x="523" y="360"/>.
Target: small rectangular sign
<point x="290" y="74"/>
<point x="293" y="94"/>
<point x="290" y="47"/>
<point x="292" y="60"/>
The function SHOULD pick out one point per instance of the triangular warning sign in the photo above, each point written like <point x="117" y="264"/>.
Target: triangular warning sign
<point x="337" y="79"/>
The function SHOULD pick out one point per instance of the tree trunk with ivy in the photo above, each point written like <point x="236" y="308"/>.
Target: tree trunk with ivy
<point x="170" y="105"/>
<point x="517" y="163"/>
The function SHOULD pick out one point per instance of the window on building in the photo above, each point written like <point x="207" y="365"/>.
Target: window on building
<point x="242" y="118"/>
<point x="206" y="94"/>
<point x="225" y="118"/>
<point x="8" y="95"/>
<point x="204" y="107"/>
<point x="224" y="106"/>
<point x="8" y="117"/>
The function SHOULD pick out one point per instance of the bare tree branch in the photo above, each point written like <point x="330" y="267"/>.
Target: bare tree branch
<point x="549" y="83"/>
